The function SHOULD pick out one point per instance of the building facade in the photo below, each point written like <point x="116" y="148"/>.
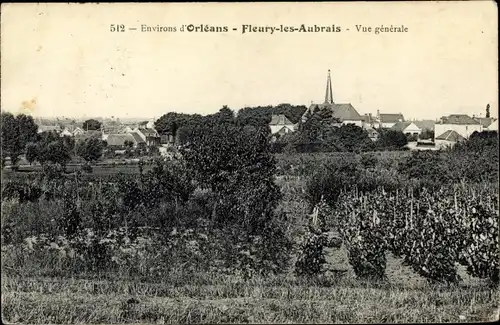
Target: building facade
<point x="463" y="124"/>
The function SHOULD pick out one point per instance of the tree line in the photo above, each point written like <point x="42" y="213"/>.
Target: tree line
<point x="321" y="132"/>
<point x="19" y="135"/>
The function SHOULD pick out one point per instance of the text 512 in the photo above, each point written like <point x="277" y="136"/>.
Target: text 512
<point x="117" y="28"/>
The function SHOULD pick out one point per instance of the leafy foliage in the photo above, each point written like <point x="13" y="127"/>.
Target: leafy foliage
<point x="391" y="140"/>
<point x="90" y="149"/>
<point x="16" y="132"/>
<point x="432" y="231"/>
<point x="92" y="124"/>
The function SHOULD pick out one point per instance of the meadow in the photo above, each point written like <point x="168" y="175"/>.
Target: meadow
<point x="148" y="247"/>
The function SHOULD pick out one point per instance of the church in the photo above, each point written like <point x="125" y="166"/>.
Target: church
<point x="346" y="113"/>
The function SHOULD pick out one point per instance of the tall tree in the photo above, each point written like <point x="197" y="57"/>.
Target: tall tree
<point x="391" y="140"/>
<point x="52" y="149"/>
<point x="91" y="124"/>
<point x="90" y="149"/>
<point x="488" y="110"/>
<point x="16" y="132"/>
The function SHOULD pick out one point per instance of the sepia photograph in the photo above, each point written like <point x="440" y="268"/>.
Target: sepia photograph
<point x="249" y="163"/>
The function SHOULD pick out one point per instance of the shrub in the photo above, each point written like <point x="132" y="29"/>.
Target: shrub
<point x="236" y="165"/>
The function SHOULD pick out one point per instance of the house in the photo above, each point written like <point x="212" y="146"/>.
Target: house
<point x="66" y="132"/>
<point x="387" y="121"/>
<point x="77" y="131"/>
<point x="281" y="125"/>
<point x="71" y="131"/>
<point x="120" y="140"/>
<point x="408" y="128"/>
<point x="49" y="128"/>
<point x="346" y="113"/>
<point x="448" y="139"/>
<point x="115" y="129"/>
<point x="461" y="123"/>
<point x="150" y="136"/>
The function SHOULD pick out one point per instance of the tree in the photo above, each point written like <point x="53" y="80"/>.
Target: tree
<point x="235" y="165"/>
<point x="232" y="161"/>
<point x="261" y="115"/>
<point x="352" y="138"/>
<point x="488" y="110"/>
<point x="225" y="115"/>
<point x="91" y="124"/>
<point x="171" y="122"/>
<point x="16" y="132"/>
<point x="51" y="148"/>
<point x="427" y="134"/>
<point x="31" y="152"/>
<point x="317" y="132"/>
<point x="391" y="140"/>
<point x="90" y="149"/>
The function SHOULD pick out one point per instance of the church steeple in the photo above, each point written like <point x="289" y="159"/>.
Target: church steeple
<point x="329" y="93"/>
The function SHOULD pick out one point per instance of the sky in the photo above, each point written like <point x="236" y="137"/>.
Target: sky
<point x="63" y="60"/>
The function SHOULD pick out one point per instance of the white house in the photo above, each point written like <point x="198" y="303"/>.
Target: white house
<point x="49" y="128"/>
<point x="281" y="125"/>
<point x="461" y="123"/>
<point x="66" y="132"/>
<point x="149" y="135"/>
<point x="408" y="128"/>
<point x="448" y="139"/>
<point x="387" y="121"/>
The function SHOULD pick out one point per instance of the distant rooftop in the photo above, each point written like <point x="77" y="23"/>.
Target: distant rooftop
<point x="391" y="118"/>
<point x="459" y="119"/>
<point x="280" y="120"/>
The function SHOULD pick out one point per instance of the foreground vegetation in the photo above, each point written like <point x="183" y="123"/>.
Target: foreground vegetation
<point x="231" y="233"/>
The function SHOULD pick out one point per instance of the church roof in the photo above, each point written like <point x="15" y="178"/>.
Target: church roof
<point x="340" y="111"/>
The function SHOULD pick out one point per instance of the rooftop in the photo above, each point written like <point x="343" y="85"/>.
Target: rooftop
<point x="340" y="111"/>
<point x="280" y="120"/>
<point x="462" y="119"/>
<point x="450" y="135"/>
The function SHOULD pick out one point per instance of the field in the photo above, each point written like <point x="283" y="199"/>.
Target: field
<point x="51" y="281"/>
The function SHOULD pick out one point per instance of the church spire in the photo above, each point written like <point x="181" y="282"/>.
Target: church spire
<point x="329" y="94"/>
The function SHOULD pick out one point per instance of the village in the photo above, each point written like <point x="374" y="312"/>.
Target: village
<point x="424" y="134"/>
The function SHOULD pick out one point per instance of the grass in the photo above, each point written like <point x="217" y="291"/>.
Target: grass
<point x="70" y="301"/>
<point x="213" y="298"/>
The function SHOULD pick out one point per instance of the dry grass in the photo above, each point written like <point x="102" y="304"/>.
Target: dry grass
<point x="217" y="299"/>
<point x="68" y="301"/>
